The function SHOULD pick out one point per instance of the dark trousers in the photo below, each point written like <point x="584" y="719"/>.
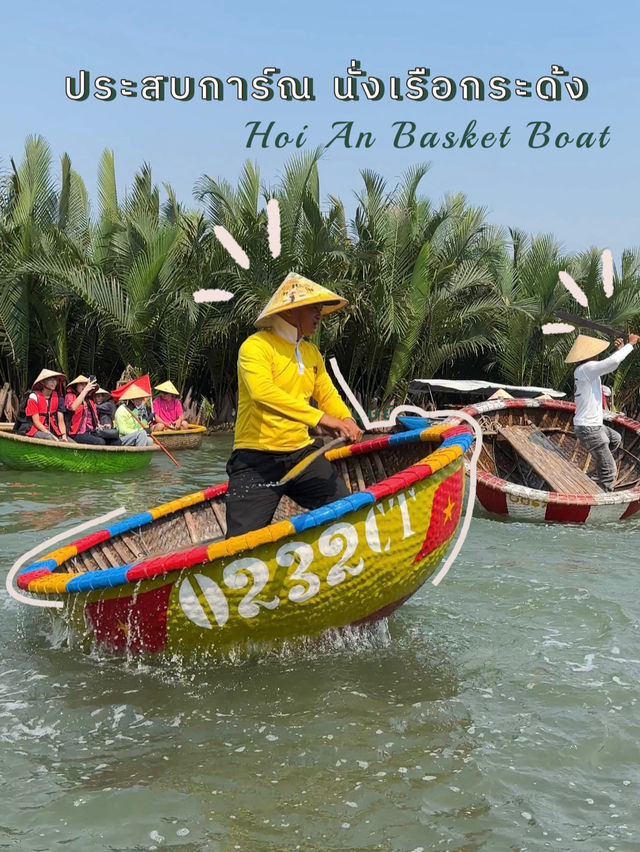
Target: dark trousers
<point x="251" y="502"/>
<point x="87" y="438"/>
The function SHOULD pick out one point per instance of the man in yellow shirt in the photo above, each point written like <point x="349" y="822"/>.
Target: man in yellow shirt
<point x="279" y="372"/>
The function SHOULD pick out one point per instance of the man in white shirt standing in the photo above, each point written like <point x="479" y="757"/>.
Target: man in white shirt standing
<point x="600" y="440"/>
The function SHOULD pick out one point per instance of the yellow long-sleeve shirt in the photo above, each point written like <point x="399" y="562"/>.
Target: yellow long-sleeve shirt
<point x="275" y="385"/>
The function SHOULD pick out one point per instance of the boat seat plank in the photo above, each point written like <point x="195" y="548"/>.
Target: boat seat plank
<point x="122" y="550"/>
<point x="546" y="461"/>
<point x="220" y="516"/>
<point x="342" y="467"/>
<point x="133" y="545"/>
<point x="191" y="526"/>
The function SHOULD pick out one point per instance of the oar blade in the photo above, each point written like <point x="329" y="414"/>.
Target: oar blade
<point x="297" y="469"/>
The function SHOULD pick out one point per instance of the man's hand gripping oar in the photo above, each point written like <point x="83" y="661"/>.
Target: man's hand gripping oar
<point x="348" y="430"/>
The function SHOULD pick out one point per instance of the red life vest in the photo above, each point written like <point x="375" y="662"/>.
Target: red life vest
<point x="46" y="409"/>
<point x="88" y="408"/>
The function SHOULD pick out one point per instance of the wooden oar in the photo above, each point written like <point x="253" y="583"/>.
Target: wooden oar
<point x="155" y="440"/>
<point x="587" y="323"/>
<point x="307" y="460"/>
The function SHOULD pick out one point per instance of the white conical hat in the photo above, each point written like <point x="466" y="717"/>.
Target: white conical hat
<point x="46" y="374"/>
<point x="295" y="292"/>
<point x="501" y="394"/>
<point x="133" y="392"/>
<point x="584" y="348"/>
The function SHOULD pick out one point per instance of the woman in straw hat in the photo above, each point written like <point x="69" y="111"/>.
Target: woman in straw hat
<point x="168" y="409"/>
<point x="106" y="407"/>
<point x="82" y="414"/>
<point x="279" y="372"/>
<point x="600" y="440"/>
<point x="42" y="413"/>
<point x="131" y="435"/>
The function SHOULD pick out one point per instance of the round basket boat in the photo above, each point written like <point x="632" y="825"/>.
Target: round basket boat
<point x="21" y="453"/>
<point x="181" y="439"/>
<point x="168" y="580"/>
<point x="532" y="467"/>
<point x="6" y="427"/>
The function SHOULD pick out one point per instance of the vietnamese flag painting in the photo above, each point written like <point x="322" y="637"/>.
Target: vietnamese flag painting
<point x="445" y="512"/>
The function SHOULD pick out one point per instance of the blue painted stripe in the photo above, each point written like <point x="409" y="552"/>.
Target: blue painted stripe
<point x="412" y="437"/>
<point x="99" y="579"/>
<point x="129" y="523"/>
<point x="36" y="566"/>
<point x="332" y="511"/>
<point x="463" y="440"/>
<point x="359" y="499"/>
<point x="412" y="422"/>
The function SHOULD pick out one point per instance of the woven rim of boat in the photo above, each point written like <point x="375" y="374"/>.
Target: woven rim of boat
<point x="71" y="445"/>
<point x="41" y="577"/>
<point x="498" y="484"/>
<point x="192" y="430"/>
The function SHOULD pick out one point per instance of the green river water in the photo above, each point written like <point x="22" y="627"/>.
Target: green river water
<point x="495" y="712"/>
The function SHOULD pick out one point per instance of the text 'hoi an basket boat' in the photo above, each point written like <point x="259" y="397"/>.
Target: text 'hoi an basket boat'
<point x="21" y="453"/>
<point x="181" y="439"/>
<point x="532" y="467"/>
<point x="167" y="580"/>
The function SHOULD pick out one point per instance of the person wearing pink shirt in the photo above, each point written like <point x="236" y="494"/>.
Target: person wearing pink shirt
<point x="168" y="408"/>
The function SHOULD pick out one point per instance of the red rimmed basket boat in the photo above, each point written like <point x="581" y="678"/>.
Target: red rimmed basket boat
<point x="166" y="580"/>
<point x="532" y="468"/>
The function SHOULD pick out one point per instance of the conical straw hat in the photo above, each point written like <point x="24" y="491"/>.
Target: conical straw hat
<point x="501" y="394"/>
<point x="47" y="374"/>
<point x="584" y="348"/>
<point x="133" y="392"/>
<point x="168" y="387"/>
<point x="102" y="390"/>
<point x="78" y="380"/>
<point x="295" y="292"/>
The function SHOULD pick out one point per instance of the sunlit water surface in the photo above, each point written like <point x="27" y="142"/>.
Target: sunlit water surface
<point x="497" y="712"/>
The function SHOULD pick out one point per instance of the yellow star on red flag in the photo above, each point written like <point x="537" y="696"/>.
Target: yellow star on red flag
<point x="445" y="513"/>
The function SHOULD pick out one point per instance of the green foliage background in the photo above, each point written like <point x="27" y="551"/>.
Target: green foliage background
<point x="434" y="290"/>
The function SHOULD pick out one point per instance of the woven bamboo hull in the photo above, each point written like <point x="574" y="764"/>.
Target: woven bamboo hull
<point x="181" y="439"/>
<point x="20" y="453"/>
<point x="6" y="427"/>
<point x="507" y="494"/>
<point x="352" y="561"/>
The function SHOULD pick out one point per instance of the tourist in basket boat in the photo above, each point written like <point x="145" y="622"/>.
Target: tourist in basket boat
<point x="106" y="408"/>
<point x="279" y="372"/>
<point x="588" y="422"/>
<point x="131" y="403"/>
<point x="41" y="414"/>
<point x="168" y="409"/>
<point x="82" y="418"/>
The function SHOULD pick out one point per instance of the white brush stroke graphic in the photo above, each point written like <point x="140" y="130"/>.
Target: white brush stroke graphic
<point x="239" y="254"/>
<point x="607" y="273"/>
<point x="579" y="295"/>
<point x="212" y="296"/>
<point x="273" y="227"/>
<point x="576" y="291"/>
<point x="557" y="328"/>
<point x="235" y="250"/>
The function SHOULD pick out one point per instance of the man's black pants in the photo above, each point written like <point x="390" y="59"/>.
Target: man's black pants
<point x="251" y="502"/>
